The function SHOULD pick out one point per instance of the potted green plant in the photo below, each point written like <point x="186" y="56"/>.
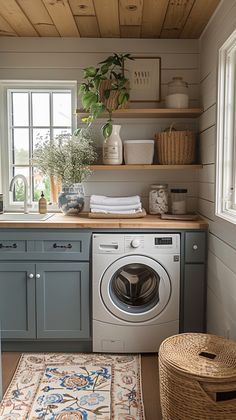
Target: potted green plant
<point x="106" y="88"/>
<point x="67" y="158"/>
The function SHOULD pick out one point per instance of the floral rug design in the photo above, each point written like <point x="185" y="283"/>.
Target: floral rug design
<point x="73" y="390"/>
<point x="75" y="386"/>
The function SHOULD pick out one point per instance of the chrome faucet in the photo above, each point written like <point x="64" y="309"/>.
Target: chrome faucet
<point x="26" y="189"/>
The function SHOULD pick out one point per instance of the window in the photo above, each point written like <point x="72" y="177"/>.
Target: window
<point x="36" y="112"/>
<point x="226" y="132"/>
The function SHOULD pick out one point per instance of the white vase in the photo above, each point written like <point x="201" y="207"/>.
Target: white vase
<point x="113" y="148"/>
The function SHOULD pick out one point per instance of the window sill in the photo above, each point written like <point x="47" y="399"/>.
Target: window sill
<point x="229" y="216"/>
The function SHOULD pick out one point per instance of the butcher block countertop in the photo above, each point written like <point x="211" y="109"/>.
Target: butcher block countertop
<point x="82" y="221"/>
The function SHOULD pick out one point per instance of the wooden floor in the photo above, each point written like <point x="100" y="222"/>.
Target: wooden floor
<point x="149" y="381"/>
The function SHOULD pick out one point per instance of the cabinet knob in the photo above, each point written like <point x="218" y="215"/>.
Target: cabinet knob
<point x="37" y="276"/>
<point x="195" y="247"/>
<point x="30" y="275"/>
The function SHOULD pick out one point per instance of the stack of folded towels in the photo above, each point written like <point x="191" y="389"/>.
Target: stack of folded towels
<point x="113" y="205"/>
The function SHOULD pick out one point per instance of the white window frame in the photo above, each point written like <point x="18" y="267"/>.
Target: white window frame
<point x="5" y="136"/>
<point x="226" y="132"/>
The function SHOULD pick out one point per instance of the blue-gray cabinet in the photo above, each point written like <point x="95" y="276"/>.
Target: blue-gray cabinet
<point x="44" y="285"/>
<point x="62" y="300"/>
<point x="17" y="300"/>
<point x="44" y="300"/>
<point x="193" y="300"/>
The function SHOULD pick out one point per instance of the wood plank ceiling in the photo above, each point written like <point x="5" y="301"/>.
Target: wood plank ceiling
<point x="105" y="18"/>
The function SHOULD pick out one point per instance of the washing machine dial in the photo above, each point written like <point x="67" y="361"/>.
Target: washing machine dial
<point x="135" y="243"/>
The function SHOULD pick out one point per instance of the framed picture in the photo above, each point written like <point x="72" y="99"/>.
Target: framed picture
<point x="144" y="74"/>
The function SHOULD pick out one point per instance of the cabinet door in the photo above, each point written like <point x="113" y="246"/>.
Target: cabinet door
<point x="62" y="296"/>
<point x="17" y="300"/>
<point x="194" y="298"/>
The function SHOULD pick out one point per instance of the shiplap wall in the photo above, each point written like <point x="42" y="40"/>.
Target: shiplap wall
<point x="63" y="59"/>
<point x="221" y="307"/>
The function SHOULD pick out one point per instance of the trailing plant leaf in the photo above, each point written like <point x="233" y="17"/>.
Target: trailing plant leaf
<point x="90" y="72"/>
<point x="89" y="99"/>
<point x="106" y="93"/>
<point x="105" y="68"/>
<point x="83" y="88"/>
<point x="107" y="129"/>
<point x="122" y="98"/>
<point x="97" y="109"/>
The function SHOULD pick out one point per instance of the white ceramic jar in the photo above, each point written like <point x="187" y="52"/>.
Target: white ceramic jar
<point x="158" y="199"/>
<point x="113" y="148"/>
<point x="177" y="96"/>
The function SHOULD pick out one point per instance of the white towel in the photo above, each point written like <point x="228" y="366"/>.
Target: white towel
<point x="116" y="211"/>
<point x="114" y="201"/>
<point x="117" y="208"/>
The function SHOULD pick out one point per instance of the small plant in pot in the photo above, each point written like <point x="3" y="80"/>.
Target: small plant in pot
<point x="67" y="158"/>
<point x="105" y="89"/>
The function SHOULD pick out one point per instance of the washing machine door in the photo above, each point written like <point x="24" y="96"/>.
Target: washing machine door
<point x="135" y="288"/>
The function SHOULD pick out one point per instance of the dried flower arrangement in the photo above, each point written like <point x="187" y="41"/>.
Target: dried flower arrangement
<point x="67" y="157"/>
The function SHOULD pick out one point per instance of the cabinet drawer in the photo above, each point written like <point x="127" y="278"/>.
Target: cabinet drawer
<point x="70" y="247"/>
<point x="195" y="247"/>
<point x="12" y="246"/>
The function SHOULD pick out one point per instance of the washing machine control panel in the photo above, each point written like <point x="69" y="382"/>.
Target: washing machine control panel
<point x="151" y="243"/>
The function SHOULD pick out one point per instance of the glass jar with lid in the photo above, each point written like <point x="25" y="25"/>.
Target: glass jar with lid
<point x="177" y="96"/>
<point x="158" y="199"/>
<point x="178" y="200"/>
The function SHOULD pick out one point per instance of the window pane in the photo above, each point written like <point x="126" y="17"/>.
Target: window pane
<point x="61" y="109"/>
<point x="41" y="109"/>
<point x="20" y="145"/>
<point x="39" y="135"/>
<point x="20" y="108"/>
<point x="59" y="131"/>
<point x="40" y="183"/>
<point x="18" y="192"/>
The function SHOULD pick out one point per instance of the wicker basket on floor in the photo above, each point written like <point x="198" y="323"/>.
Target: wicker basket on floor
<point x="176" y="147"/>
<point x="197" y="377"/>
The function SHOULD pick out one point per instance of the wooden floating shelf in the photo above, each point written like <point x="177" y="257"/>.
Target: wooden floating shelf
<point x="143" y="167"/>
<point x="150" y="113"/>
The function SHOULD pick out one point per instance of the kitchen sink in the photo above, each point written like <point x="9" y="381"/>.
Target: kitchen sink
<point x="16" y="217"/>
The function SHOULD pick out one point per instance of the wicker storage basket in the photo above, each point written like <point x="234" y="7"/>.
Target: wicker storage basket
<point x="176" y="147"/>
<point x="111" y="102"/>
<point x="197" y="377"/>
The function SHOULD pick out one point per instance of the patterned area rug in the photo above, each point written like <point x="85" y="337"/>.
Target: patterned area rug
<point x="75" y="386"/>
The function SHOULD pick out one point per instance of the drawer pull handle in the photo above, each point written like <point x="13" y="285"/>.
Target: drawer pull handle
<point x="8" y="246"/>
<point x="195" y="247"/>
<point x="62" y="246"/>
<point x="37" y="276"/>
<point x="30" y="275"/>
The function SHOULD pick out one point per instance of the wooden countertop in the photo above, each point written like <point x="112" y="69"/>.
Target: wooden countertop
<point x="59" y="221"/>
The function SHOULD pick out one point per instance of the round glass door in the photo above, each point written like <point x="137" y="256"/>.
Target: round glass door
<point x="135" y="288"/>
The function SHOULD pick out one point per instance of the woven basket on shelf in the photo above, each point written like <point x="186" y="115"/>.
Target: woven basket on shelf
<point x="112" y="101"/>
<point x="197" y="377"/>
<point x="176" y="147"/>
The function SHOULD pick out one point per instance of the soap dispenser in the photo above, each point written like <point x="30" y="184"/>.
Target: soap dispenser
<point x="42" y="204"/>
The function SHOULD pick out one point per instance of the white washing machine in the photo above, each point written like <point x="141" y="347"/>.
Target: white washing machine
<point x="136" y="282"/>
